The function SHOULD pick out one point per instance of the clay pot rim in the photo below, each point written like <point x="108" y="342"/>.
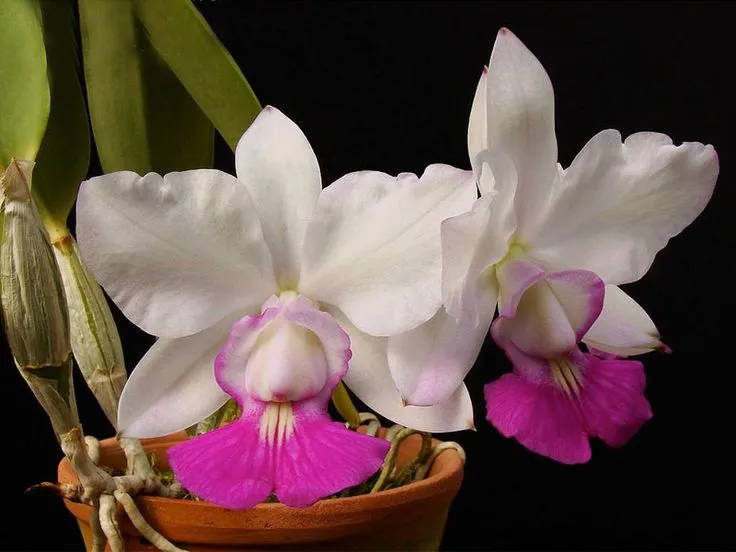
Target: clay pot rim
<point x="446" y="467"/>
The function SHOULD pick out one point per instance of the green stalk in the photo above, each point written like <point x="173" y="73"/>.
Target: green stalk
<point x="94" y="336"/>
<point x="345" y="407"/>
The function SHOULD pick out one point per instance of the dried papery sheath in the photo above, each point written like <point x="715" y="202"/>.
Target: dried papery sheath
<point x="53" y="387"/>
<point x="94" y="337"/>
<point x="33" y="304"/>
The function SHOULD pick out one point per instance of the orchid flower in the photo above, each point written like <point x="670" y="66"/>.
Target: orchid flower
<point x="549" y="247"/>
<point x="270" y="290"/>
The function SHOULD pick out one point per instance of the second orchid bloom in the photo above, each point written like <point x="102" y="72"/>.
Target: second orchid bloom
<point x="549" y="247"/>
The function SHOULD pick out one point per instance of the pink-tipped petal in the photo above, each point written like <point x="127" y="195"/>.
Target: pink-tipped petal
<point x="429" y="363"/>
<point x="613" y="401"/>
<point x="623" y="328"/>
<point x="370" y="379"/>
<point x="322" y="458"/>
<point x="539" y="416"/>
<point x="228" y="466"/>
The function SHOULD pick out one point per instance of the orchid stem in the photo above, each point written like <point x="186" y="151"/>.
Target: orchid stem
<point x="344" y="405"/>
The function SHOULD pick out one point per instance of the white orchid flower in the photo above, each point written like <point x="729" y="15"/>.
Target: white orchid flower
<point x="549" y="247"/>
<point x="290" y="288"/>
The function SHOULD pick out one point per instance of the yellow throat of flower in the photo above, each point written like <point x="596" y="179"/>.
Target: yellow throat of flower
<point x="277" y="423"/>
<point x="566" y="375"/>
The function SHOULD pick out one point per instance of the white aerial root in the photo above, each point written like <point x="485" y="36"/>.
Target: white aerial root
<point x="93" y="449"/>
<point x="156" y="538"/>
<point x="103" y="491"/>
<point x="98" y="536"/>
<point x="373" y="423"/>
<point x="109" y="523"/>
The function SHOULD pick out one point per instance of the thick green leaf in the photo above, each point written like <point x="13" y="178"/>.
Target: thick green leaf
<point x="186" y="42"/>
<point x="63" y="159"/>
<point x="142" y="117"/>
<point x="24" y="87"/>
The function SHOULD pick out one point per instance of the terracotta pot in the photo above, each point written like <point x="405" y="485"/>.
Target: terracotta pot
<point x="411" y="517"/>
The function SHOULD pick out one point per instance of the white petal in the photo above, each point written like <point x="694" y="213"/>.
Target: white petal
<point x="497" y="177"/>
<point x="277" y="164"/>
<point x="429" y="363"/>
<point x="619" y="204"/>
<point x="176" y="254"/>
<point x="370" y="379"/>
<point x="474" y="241"/>
<point x="373" y="247"/>
<point x="521" y="121"/>
<point x="623" y="327"/>
<point x="173" y="386"/>
<point x="477" y="125"/>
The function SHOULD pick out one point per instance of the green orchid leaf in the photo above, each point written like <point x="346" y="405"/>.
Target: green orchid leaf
<point x="186" y="42"/>
<point x="142" y="117"/>
<point x="63" y="160"/>
<point x="24" y="86"/>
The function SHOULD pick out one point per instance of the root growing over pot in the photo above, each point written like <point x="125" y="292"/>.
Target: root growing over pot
<point x="390" y="476"/>
<point x="103" y="490"/>
<point x="156" y="538"/>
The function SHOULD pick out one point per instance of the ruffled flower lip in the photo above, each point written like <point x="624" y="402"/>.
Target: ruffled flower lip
<point x="581" y="397"/>
<point x="291" y="451"/>
<point x="280" y="366"/>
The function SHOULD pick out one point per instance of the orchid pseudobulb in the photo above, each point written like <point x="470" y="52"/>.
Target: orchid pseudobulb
<point x="549" y="247"/>
<point x="270" y="290"/>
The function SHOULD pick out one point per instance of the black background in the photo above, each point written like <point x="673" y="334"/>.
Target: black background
<point x="388" y="86"/>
